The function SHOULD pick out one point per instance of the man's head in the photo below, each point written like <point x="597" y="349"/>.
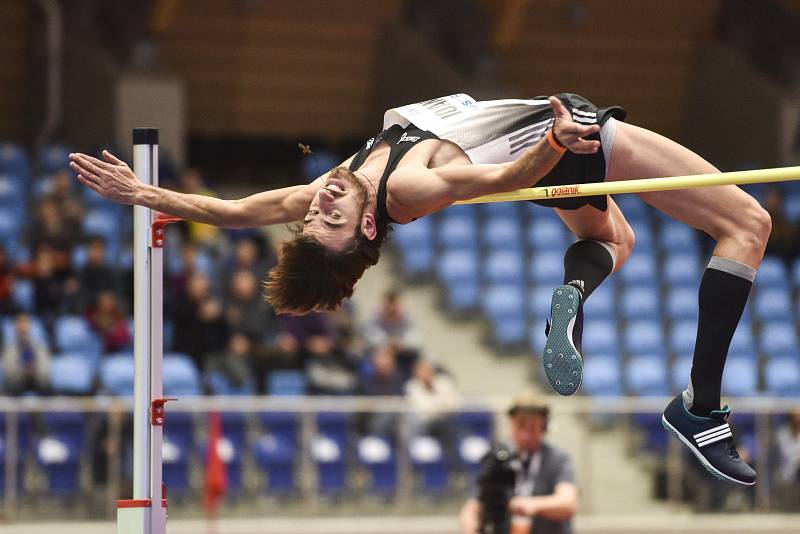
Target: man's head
<point x="529" y="415"/>
<point x="96" y="252"/>
<point x="340" y="237"/>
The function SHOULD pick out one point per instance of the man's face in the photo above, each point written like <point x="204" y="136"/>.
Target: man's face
<point x="527" y="430"/>
<point x="336" y="211"/>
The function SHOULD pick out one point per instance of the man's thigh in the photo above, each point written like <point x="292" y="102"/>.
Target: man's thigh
<point x="640" y="153"/>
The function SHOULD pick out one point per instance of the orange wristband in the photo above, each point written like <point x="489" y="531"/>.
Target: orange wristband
<point x="554" y="144"/>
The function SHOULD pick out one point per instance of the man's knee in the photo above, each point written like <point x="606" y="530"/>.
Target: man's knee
<point x="753" y="226"/>
<point x="624" y="241"/>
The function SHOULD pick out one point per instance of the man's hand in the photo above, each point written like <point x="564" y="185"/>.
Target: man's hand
<point x="111" y="178"/>
<point x="570" y="133"/>
<point x="527" y="506"/>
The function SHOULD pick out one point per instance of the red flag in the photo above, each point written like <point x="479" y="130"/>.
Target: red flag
<point x="216" y="476"/>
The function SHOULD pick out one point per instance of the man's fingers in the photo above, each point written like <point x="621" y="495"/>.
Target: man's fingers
<point x="99" y="163"/>
<point x="558" y="108"/>
<point x="111" y="158"/>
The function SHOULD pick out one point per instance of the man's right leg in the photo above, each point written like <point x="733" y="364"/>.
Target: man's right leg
<point x="605" y="240"/>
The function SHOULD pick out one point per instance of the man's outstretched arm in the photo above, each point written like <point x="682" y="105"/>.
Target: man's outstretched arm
<point x="114" y="180"/>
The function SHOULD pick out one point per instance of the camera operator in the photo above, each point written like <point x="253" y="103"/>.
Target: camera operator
<point x="544" y="496"/>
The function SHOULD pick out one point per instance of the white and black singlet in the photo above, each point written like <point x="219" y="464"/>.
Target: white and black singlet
<point x="494" y="131"/>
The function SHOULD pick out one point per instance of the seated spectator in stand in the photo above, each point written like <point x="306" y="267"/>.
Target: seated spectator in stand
<point x="203" y="234"/>
<point x="26" y="362"/>
<point x="50" y="229"/>
<point x="68" y="203"/>
<point x="383" y="380"/>
<point x="283" y="353"/>
<point x="783" y="241"/>
<point x="251" y="253"/>
<point x="7" y="277"/>
<point x="96" y="276"/>
<point x="234" y="362"/>
<point x="48" y="284"/>
<point x="212" y="332"/>
<point x="330" y="370"/>
<point x="787" y="441"/>
<point x="393" y="325"/>
<point x="107" y="319"/>
<point x="246" y="311"/>
<point x="432" y="396"/>
<point x="183" y="313"/>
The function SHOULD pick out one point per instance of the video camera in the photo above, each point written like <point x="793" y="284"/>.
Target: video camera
<point x="496" y="480"/>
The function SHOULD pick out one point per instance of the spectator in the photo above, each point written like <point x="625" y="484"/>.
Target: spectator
<point x="282" y="354"/>
<point x="212" y="332"/>
<point x="185" y="317"/>
<point x="384" y="380"/>
<point x="783" y="241"/>
<point x="69" y="205"/>
<point x="7" y="306"/>
<point x="96" y="276"/>
<point x="234" y="363"/>
<point x="26" y="361"/>
<point x="330" y="370"/>
<point x="249" y="255"/>
<point x="545" y="496"/>
<point x="107" y="319"/>
<point x="432" y="396"/>
<point x="48" y="284"/>
<point x="179" y="281"/>
<point x="392" y="324"/>
<point x="247" y="312"/>
<point x="50" y="229"/>
<point x="788" y="441"/>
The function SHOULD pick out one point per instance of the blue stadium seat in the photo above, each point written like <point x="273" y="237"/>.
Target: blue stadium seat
<point x="539" y="302"/>
<point x="742" y="342"/>
<point x="12" y="191"/>
<point x="60" y="462"/>
<point x="102" y="223"/>
<point x="430" y="465"/>
<point x="682" y="336"/>
<point x="220" y="384"/>
<point x="504" y="301"/>
<point x="288" y="382"/>
<point x="795" y="273"/>
<point x="640" y="269"/>
<point x="14" y="160"/>
<point x="10" y="225"/>
<point x="741" y="376"/>
<point x="773" y="303"/>
<point x="179" y="427"/>
<point x="175" y="457"/>
<point x="509" y="332"/>
<point x="547" y="268"/>
<point x="458" y="231"/>
<point x="329" y="456"/>
<point x="504" y="267"/>
<point x="681" y="270"/>
<point x="640" y="302"/>
<point x="782" y="376"/>
<point x="418" y="261"/>
<point x="69" y="427"/>
<point x="38" y="332"/>
<point x="336" y="426"/>
<point x="601" y="337"/>
<point x="503" y="209"/>
<point x="602" y="303"/>
<point x="547" y="235"/>
<point x="675" y="236"/>
<point x="791" y="207"/>
<point x="284" y="425"/>
<point x="22" y="293"/>
<point x="72" y="374"/>
<point x="277" y="458"/>
<point x="458" y="269"/>
<point x="644" y="337"/>
<point x="632" y="206"/>
<point x="601" y="375"/>
<point x="116" y="374"/>
<point x="680" y="372"/>
<point x="779" y="338"/>
<point x="536" y="336"/>
<point x="645" y="242"/>
<point x="472" y="449"/>
<point x="475" y="423"/>
<point x="681" y="303"/>
<point x="415" y="234"/>
<point x="647" y="376"/>
<point x="73" y="334"/>
<point x="502" y="233"/>
<point x="181" y="377"/>
<point x="772" y="273"/>
<point x="377" y="455"/>
<point x="53" y="158"/>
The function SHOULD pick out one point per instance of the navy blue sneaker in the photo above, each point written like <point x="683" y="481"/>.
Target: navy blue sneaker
<point x="710" y="439"/>
<point x="563" y="364"/>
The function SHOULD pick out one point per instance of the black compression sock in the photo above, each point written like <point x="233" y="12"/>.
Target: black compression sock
<point x="723" y="295"/>
<point x="586" y="264"/>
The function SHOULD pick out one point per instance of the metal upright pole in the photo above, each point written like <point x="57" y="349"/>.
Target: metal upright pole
<point x="144" y="514"/>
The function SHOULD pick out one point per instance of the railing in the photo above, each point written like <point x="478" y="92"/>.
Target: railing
<point x="308" y="407"/>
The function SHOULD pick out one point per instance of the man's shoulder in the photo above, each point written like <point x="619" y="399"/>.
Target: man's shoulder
<point x="554" y="454"/>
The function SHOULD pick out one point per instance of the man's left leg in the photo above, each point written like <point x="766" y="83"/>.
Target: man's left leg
<point x="741" y="228"/>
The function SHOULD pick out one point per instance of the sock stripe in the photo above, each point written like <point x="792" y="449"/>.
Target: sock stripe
<point x="736" y="268"/>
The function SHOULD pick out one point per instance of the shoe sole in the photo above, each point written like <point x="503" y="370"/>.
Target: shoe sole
<point x="563" y="364"/>
<point x="710" y="468"/>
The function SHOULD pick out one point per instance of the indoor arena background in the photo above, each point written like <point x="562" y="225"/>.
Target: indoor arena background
<point x="234" y="86"/>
